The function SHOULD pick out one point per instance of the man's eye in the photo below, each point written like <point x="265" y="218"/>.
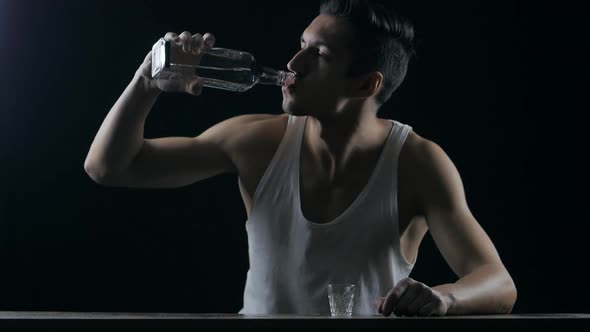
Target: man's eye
<point x="318" y="52"/>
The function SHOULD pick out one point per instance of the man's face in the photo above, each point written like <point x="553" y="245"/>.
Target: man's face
<point x="321" y="66"/>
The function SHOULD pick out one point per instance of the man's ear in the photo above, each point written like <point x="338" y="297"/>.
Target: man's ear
<point x="368" y="85"/>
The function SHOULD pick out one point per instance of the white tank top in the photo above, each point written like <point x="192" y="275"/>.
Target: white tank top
<point x="292" y="260"/>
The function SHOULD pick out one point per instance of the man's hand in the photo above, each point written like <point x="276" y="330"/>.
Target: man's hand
<point x="412" y="298"/>
<point x="186" y="43"/>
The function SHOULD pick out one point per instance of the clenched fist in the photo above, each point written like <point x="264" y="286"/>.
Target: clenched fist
<point x="412" y="298"/>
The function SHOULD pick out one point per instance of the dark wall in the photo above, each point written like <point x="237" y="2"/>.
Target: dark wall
<point x="67" y="243"/>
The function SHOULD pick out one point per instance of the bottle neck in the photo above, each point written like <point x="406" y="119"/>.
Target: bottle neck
<point x="274" y="77"/>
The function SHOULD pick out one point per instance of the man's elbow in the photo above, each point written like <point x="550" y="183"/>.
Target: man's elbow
<point x="98" y="174"/>
<point x="511" y="295"/>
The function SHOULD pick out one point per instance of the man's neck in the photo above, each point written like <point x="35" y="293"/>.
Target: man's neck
<point x="336" y="141"/>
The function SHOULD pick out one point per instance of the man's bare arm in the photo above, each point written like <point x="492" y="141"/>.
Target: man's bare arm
<point x="484" y="284"/>
<point x="172" y="162"/>
<point x="120" y="156"/>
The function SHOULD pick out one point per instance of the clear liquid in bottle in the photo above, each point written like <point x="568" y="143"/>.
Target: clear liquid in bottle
<point x="219" y="68"/>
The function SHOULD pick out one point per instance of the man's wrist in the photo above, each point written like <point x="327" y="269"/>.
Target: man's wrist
<point x="450" y="300"/>
<point x="146" y="85"/>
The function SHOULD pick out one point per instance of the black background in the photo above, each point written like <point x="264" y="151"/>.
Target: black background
<point x="476" y="88"/>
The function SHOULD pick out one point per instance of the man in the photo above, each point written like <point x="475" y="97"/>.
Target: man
<point x="333" y="193"/>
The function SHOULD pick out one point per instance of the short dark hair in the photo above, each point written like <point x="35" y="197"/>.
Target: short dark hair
<point x="383" y="40"/>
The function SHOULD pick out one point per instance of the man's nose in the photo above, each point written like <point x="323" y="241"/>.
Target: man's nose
<point x="297" y="63"/>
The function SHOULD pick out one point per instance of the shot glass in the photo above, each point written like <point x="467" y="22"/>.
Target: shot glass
<point x="341" y="297"/>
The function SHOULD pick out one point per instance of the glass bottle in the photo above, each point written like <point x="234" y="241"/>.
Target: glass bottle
<point x="219" y="68"/>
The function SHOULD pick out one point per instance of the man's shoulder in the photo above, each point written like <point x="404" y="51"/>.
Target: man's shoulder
<point x="425" y="163"/>
<point x="240" y="131"/>
<point x="257" y="121"/>
<point x="420" y="154"/>
<point x="416" y="146"/>
<point x="255" y="135"/>
<point x="260" y="128"/>
<point x="254" y="143"/>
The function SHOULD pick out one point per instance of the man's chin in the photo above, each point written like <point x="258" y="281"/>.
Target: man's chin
<point x="288" y="108"/>
<point x="293" y="109"/>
